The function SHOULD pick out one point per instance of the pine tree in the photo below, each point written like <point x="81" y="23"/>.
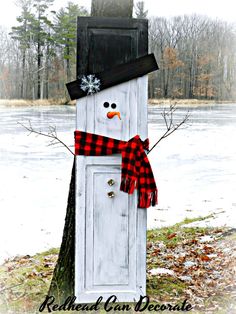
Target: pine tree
<point x="41" y="26"/>
<point x="22" y="33"/>
<point x="65" y="34"/>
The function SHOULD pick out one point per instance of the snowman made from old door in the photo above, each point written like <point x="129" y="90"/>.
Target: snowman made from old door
<point x="110" y="228"/>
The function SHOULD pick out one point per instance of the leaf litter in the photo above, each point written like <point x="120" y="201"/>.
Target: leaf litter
<point x="200" y="267"/>
<point x="182" y="263"/>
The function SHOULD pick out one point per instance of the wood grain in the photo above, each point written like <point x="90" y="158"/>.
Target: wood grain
<point x="110" y="232"/>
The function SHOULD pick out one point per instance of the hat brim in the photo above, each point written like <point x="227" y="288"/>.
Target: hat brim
<point x="117" y="75"/>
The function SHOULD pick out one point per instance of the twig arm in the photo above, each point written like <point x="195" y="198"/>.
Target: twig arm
<point x="169" y="122"/>
<point x="51" y="134"/>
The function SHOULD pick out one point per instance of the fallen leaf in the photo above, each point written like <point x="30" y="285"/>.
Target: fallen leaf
<point x="205" y="258"/>
<point x="172" y="235"/>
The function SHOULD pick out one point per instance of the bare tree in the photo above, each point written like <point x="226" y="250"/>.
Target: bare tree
<point x="196" y="56"/>
<point x="140" y="12"/>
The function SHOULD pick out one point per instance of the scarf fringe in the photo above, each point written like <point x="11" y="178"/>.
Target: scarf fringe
<point x="127" y="185"/>
<point x="147" y="199"/>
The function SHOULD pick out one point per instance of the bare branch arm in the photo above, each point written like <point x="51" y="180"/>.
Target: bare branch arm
<point x="51" y="134"/>
<point x="169" y="122"/>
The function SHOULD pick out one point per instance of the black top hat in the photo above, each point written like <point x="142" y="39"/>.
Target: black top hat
<point x="89" y="84"/>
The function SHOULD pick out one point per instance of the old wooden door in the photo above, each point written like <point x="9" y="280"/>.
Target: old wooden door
<point x="110" y="231"/>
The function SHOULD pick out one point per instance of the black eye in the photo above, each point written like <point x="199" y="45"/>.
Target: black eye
<point x="113" y="106"/>
<point x="106" y="104"/>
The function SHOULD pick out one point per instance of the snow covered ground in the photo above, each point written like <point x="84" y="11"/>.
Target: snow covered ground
<point x="195" y="170"/>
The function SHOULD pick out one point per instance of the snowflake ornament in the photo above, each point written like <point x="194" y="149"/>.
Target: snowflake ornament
<point x="90" y="83"/>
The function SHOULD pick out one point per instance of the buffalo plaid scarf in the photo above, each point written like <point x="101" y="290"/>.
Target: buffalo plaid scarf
<point x="136" y="170"/>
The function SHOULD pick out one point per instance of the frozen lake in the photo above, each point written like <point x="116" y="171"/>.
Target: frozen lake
<point x="195" y="170"/>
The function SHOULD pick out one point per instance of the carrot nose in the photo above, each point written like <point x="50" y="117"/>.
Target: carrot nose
<point x="111" y="114"/>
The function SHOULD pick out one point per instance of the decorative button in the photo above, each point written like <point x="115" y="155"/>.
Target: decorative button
<point x="111" y="194"/>
<point x="111" y="182"/>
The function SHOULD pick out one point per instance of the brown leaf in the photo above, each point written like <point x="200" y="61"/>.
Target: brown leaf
<point x="194" y="252"/>
<point x="31" y="275"/>
<point x="205" y="258"/>
<point x="172" y="235"/>
<point x="155" y="252"/>
<point x="208" y="249"/>
<point x="181" y="259"/>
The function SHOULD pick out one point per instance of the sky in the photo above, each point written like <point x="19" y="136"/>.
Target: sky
<point x="222" y="9"/>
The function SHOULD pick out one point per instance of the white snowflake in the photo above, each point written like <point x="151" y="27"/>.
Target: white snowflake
<point x="90" y="83"/>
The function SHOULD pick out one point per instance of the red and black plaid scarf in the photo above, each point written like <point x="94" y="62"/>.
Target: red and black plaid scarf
<point x="136" y="170"/>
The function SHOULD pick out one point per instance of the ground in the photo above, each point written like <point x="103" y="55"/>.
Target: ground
<point x="197" y="264"/>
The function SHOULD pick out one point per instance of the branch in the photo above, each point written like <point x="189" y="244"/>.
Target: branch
<point x="169" y="122"/>
<point x="52" y="133"/>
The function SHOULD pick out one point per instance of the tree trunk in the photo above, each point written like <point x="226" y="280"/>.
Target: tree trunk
<point x="112" y="8"/>
<point x="68" y="72"/>
<point x="62" y="284"/>
<point x="47" y="73"/>
<point x="38" y="69"/>
<point x="23" y="76"/>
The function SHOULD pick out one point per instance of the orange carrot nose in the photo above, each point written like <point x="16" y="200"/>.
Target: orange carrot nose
<point x="111" y="114"/>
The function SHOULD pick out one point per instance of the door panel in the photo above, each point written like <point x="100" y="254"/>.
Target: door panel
<point x="108" y="230"/>
<point x="110" y="244"/>
<point x="104" y="42"/>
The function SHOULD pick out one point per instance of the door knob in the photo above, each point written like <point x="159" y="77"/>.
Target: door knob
<point x="111" y="182"/>
<point x="111" y="194"/>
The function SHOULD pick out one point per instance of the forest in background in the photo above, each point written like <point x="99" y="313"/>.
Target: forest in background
<point x="196" y="54"/>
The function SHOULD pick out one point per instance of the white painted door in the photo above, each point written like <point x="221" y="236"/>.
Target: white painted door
<point x="110" y="231"/>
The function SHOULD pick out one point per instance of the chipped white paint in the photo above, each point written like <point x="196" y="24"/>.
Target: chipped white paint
<point x="110" y="232"/>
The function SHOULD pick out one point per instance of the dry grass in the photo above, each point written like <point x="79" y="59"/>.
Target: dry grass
<point x="169" y="101"/>
<point x="38" y="102"/>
